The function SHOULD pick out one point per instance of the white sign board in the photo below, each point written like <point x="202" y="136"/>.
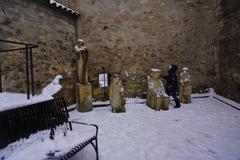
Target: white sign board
<point x="103" y="80"/>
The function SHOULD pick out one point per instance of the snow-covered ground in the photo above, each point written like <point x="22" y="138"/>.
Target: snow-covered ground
<point x="205" y="129"/>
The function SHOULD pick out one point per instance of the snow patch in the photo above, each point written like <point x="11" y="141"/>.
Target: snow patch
<point x="136" y="100"/>
<point x="53" y="87"/>
<point x="212" y="94"/>
<point x="15" y="100"/>
<point x="126" y="73"/>
<point x="80" y="40"/>
<point x="204" y="129"/>
<point x="155" y="70"/>
<point x="101" y="103"/>
<point x="82" y="48"/>
<point x="38" y="145"/>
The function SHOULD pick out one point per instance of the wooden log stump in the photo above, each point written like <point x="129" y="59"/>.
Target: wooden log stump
<point x="158" y="103"/>
<point x="151" y="99"/>
<point x="185" y="93"/>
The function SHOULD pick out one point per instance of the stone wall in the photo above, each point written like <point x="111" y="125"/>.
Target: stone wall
<point x="229" y="49"/>
<point x="131" y="35"/>
<point x="36" y="22"/>
<point x="137" y="35"/>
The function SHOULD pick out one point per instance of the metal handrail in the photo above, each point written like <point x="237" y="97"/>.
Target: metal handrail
<point x="19" y="43"/>
<point x="29" y="63"/>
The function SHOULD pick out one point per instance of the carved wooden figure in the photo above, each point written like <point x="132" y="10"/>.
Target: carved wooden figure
<point x="82" y="61"/>
<point x="83" y="88"/>
<point x="185" y="86"/>
<point x="156" y="97"/>
<point x="116" y="95"/>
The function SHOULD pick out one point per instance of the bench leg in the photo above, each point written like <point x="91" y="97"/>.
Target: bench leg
<point x="97" y="149"/>
<point x="95" y="146"/>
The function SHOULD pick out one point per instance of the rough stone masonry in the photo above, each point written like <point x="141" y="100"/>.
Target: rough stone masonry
<point x="136" y="35"/>
<point x="131" y="35"/>
<point x="34" y="22"/>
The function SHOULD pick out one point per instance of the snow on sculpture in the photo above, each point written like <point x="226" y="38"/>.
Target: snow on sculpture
<point x="156" y="85"/>
<point x="156" y="95"/>
<point x="185" y="86"/>
<point x="53" y="87"/>
<point x="116" y="95"/>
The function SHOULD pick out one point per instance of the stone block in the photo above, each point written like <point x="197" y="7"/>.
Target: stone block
<point x="84" y="97"/>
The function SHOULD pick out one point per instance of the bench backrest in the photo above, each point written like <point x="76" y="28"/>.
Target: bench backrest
<point x="21" y="122"/>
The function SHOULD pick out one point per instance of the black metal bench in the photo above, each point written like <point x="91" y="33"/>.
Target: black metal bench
<point x="22" y="122"/>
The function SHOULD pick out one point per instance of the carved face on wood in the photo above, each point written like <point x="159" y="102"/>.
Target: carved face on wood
<point x="184" y="69"/>
<point x="80" y="45"/>
<point x="185" y="76"/>
<point x="155" y="75"/>
<point x="115" y="79"/>
<point x="82" y="61"/>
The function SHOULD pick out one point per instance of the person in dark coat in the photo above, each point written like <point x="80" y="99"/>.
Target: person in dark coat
<point x="172" y="83"/>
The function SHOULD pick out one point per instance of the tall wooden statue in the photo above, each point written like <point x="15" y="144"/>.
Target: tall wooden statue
<point x="156" y="97"/>
<point x="82" y="61"/>
<point x="83" y="88"/>
<point x="116" y="95"/>
<point x="185" y="86"/>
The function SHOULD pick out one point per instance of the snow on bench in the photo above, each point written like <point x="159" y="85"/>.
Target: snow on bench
<point x="15" y="100"/>
<point x="42" y="131"/>
<point x="38" y="146"/>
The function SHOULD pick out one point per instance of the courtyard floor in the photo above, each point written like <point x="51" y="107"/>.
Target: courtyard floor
<point x="205" y="129"/>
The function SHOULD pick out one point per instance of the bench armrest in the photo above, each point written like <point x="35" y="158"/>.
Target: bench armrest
<point x="83" y="123"/>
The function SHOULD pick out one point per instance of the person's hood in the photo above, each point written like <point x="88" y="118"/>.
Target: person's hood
<point x="173" y="68"/>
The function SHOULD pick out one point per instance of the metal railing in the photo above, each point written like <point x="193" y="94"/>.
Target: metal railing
<point x="27" y="48"/>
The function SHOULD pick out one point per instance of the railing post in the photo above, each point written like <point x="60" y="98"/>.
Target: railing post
<point x="0" y="76"/>
<point x="32" y="75"/>
<point x="27" y="71"/>
<point x="29" y="64"/>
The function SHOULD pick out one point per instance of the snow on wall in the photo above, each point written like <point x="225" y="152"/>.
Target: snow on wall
<point x="63" y="7"/>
